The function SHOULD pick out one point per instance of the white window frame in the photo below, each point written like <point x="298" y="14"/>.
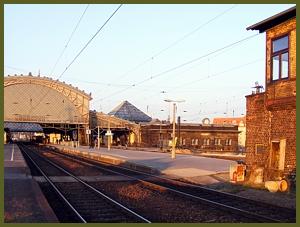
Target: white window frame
<point x="217" y="141"/>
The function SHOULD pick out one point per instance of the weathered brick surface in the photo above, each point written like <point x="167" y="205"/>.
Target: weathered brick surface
<point x="257" y="130"/>
<point x="271" y="116"/>
<point x="284" y="127"/>
<point x="151" y="134"/>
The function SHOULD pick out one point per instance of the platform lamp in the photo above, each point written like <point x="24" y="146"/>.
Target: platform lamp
<point x="173" y="152"/>
<point x="160" y="134"/>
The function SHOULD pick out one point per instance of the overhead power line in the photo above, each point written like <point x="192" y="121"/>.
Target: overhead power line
<point x="219" y="73"/>
<point x="180" y="66"/>
<point x="192" y="32"/>
<point x="17" y="69"/>
<point x="71" y="36"/>
<point x="208" y="77"/>
<point x="102" y="83"/>
<point x="82" y="49"/>
<point x="176" y="42"/>
<point x="91" y="39"/>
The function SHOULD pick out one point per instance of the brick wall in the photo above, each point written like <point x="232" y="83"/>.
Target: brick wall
<point x="151" y="135"/>
<point x="283" y="126"/>
<point x="257" y="131"/>
<point x="271" y="116"/>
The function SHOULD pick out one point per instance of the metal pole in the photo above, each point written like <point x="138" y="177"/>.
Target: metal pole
<point x="78" y="135"/>
<point x="160" y="141"/>
<point x="88" y="138"/>
<point x="173" y="134"/>
<point x="98" y="138"/>
<point x="178" y="138"/>
<point x="65" y="135"/>
<point x="173" y="152"/>
<point x="108" y="137"/>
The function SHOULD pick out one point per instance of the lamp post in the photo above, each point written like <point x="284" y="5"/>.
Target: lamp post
<point x="160" y="135"/>
<point x="173" y="152"/>
<point x="98" y="139"/>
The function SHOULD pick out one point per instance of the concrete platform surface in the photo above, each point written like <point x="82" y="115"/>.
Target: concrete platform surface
<point x="183" y="166"/>
<point x="23" y="200"/>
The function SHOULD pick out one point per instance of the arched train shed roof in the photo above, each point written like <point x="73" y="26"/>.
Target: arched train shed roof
<point x="44" y="100"/>
<point x="42" y="80"/>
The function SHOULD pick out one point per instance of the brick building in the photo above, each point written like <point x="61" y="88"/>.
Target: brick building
<point x="240" y="122"/>
<point x="271" y="115"/>
<point x="196" y="137"/>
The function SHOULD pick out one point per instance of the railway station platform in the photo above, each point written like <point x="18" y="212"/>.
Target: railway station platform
<point x="23" y="200"/>
<point x="201" y="170"/>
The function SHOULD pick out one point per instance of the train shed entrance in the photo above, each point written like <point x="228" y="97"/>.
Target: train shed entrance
<point x="61" y="110"/>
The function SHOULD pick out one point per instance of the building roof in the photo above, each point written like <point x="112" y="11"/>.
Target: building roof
<point x="10" y="79"/>
<point x="23" y="127"/>
<point x="229" y="120"/>
<point x="272" y="21"/>
<point x="129" y="112"/>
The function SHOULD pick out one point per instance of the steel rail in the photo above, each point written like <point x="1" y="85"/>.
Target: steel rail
<point x="55" y="188"/>
<point x="232" y="208"/>
<point x="95" y="190"/>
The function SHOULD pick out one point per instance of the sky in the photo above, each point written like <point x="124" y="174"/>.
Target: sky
<point x="145" y="54"/>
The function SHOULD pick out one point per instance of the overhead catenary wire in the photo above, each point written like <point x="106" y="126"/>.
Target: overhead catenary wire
<point x="208" y="77"/>
<point x="91" y="39"/>
<point x="195" y="30"/>
<point x="16" y="68"/>
<point x="127" y="85"/>
<point x="211" y="112"/>
<point x="178" y="66"/>
<point x="80" y="52"/>
<point x="219" y="73"/>
<point x="100" y="83"/>
<point x="62" y="52"/>
<point x="175" y="42"/>
<point x="67" y="44"/>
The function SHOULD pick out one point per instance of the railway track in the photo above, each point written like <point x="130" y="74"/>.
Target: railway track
<point x="251" y="210"/>
<point x="86" y="202"/>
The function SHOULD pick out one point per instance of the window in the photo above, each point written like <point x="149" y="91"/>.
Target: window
<point x="194" y="141"/>
<point x="280" y="58"/>
<point x="228" y="142"/>
<point x="259" y="148"/>
<point x="183" y="142"/>
<point x="206" y="142"/>
<point x="217" y="141"/>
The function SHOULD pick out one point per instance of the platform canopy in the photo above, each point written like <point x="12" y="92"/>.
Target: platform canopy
<point x="22" y="127"/>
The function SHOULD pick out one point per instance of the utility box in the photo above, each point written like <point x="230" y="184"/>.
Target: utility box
<point x="237" y="173"/>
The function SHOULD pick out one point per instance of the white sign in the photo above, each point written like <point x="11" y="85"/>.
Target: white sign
<point x="108" y="133"/>
<point x="88" y="131"/>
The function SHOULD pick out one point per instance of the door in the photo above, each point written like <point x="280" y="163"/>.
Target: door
<point x="277" y="154"/>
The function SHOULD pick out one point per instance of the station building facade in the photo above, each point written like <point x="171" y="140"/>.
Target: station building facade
<point x="195" y="137"/>
<point x="271" y="115"/>
<point x="241" y="123"/>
